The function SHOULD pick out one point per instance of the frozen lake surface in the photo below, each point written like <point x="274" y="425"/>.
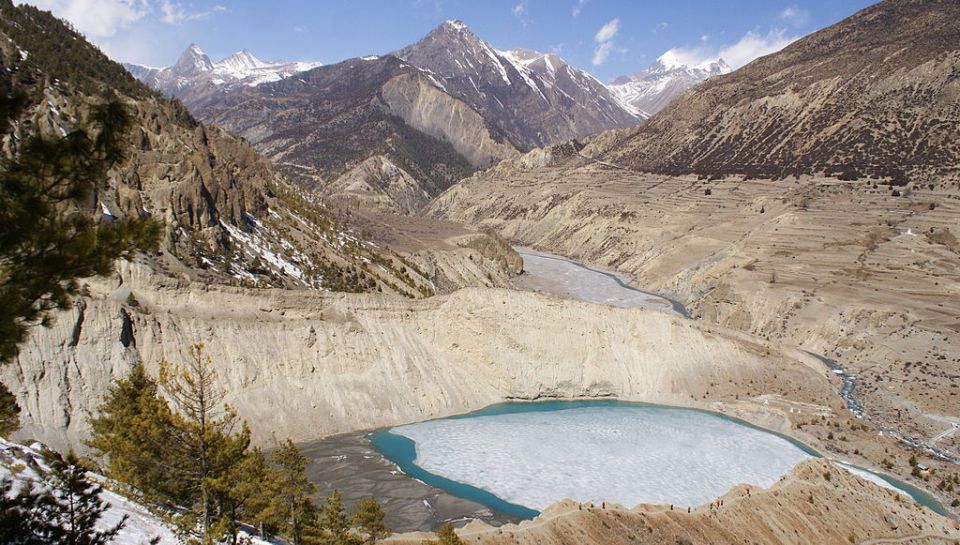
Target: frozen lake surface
<point x="556" y="275"/>
<point x="615" y="452"/>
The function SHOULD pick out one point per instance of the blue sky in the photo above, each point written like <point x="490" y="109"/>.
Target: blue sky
<point x="606" y="37"/>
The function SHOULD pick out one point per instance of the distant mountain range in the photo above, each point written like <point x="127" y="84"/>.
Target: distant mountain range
<point x="393" y="131"/>
<point x="194" y="78"/>
<point x="650" y="90"/>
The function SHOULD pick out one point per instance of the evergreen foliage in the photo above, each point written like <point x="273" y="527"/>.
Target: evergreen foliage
<point x="446" y="535"/>
<point x="47" y="241"/>
<point x="9" y="412"/>
<point x="290" y="510"/>
<point x="131" y="431"/>
<point x="334" y="524"/>
<point x="205" y="447"/>
<point x="60" y="52"/>
<point x="64" y="508"/>
<point x="368" y="517"/>
<point x="76" y="505"/>
<point x="195" y="455"/>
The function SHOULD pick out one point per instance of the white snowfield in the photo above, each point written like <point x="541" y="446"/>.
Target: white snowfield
<point x="625" y="455"/>
<point x="141" y="525"/>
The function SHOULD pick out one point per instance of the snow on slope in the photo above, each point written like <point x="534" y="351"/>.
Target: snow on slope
<point x="24" y="464"/>
<point x="651" y="89"/>
<point x="195" y="67"/>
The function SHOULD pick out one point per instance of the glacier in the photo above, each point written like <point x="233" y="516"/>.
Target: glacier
<point x="623" y="454"/>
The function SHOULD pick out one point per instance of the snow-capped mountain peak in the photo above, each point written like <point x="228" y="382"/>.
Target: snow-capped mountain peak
<point x="193" y="62"/>
<point x="651" y="89"/>
<point x="455" y="24"/>
<point x="669" y="61"/>
<point x="241" y="62"/>
<point x="195" y="71"/>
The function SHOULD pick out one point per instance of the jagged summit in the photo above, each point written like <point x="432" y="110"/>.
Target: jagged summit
<point x="195" y="76"/>
<point x="653" y="88"/>
<point x="535" y="98"/>
<point x="456" y="25"/>
<point x="193" y="61"/>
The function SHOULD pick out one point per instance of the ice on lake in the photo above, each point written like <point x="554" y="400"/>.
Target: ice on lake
<point x="626" y="454"/>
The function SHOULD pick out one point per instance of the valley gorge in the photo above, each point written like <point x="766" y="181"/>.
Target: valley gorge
<point x="413" y="236"/>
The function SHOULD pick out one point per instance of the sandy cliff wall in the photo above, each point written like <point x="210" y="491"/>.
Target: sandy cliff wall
<point x="306" y="364"/>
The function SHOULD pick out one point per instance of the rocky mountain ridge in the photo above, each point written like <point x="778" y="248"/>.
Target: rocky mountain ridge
<point x="875" y="95"/>
<point x="650" y="90"/>
<point x="194" y="78"/>
<point x="536" y="99"/>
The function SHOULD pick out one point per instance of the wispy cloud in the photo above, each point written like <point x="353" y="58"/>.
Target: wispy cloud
<point x="520" y="12"/>
<point x="579" y="7"/>
<point x="750" y="46"/>
<point x="604" y="40"/>
<point x="662" y="25"/>
<point x="175" y="14"/>
<point x="795" y="16"/>
<point x="97" y="18"/>
<point x="608" y="31"/>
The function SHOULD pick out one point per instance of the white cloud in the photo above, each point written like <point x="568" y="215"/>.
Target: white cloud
<point x="579" y="7"/>
<point x="520" y="12"/>
<point x="97" y="18"/>
<point x="175" y="14"/>
<point x="747" y="48"/>
<point x="660" y="26"/>
<point x="607" y="31"/>
<point x="601" y="53"/>
<point x="795" y="16"/>
<point x="604" y="39"/>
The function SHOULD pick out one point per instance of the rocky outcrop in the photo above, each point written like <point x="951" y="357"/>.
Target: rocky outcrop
<point x="307" y="364"/>
<point x="426" y="108"/>
<point x="816" y="503"/>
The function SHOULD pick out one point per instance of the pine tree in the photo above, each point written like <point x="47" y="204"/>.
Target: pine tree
<point x="334" y="524"/>
<point x="47" y="240"/>
<point x="21" y="515"/>
<point x="291" y="507"/>
<point x="368" y="517"/>
<point x="76" y="505"/>
<point x="9" y="412"/>
<point x="132" y="430"/>
<point x="446" y="535"/>
<point x="205" y="446"/>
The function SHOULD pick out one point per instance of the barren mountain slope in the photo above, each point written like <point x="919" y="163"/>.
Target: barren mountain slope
<point x="815" y="503"/>
<point x="228" y="216"/>
<point x="838" y="268"/>
<point x="326" y="123"/>
<point x="534" y="98"/>
<point x="877" y="94"/>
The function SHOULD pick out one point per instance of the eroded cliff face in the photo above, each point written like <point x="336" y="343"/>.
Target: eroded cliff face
<point x="424" y="107"/>
<point x="306" y="364"/>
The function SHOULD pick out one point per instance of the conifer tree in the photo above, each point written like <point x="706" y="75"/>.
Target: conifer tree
<point x="446" y="535"/>
<point x="22" y="520"/>
<point x="334" y="523"/>
<point x="291" y="508"/>
<point x="76" y="505"/>
<point x="132" y="430"/>
<point x="203" y="439"/>
<point x="9" y="412"/>
<point x="368" y="517"/>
